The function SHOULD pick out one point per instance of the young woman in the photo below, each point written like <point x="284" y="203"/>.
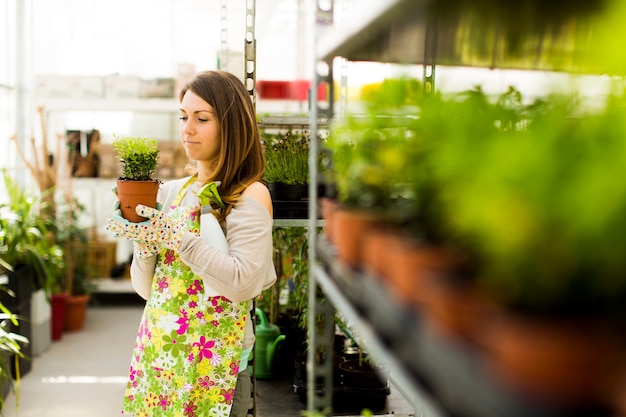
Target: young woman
<point x="197" y="266"/>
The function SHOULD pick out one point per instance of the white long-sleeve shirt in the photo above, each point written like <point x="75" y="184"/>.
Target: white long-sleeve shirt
<point x="239" y="274"/>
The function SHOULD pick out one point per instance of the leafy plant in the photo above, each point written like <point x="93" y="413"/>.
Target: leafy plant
<point x="9" y="346"/>
<point x="286" y="158"/>
<point x="138" y="156"/>
<point x="291" y="248"/>
<point x="25" y="237"/>
<point x="369" y="161"/>
<point x="73" y="238"/>
<point x="541" y="206"/>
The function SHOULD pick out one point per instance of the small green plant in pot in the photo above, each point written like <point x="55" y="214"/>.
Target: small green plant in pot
<point x="368" y="153"/>
<point x="138" y="157"/>
<point x="24" y="238"/>
<point x="287" y="158"/>
<point x="287" y="165"/>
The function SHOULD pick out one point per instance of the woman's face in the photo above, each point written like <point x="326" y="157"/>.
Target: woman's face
<point x="199" y="128"/>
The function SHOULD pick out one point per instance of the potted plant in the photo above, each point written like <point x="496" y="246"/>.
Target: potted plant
<point x="286" y="301"/>
<point x="135" y="185"/>
<point x="72" y="292"/>
<point x="361" y="381"/>
<point x="287" y="172"/>
<point x="428" y="265"/>
<point x="25" y="237"/>
<point x="29" y="259"/>
<point x="11" y="349"/>
<point x="542" y="209"/>
<point x="368" y="165"/>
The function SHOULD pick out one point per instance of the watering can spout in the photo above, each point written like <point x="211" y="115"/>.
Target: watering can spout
<point x="272" y="350"/>
<point x="268" y="342"/>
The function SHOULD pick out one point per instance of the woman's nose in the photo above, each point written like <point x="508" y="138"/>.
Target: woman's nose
<point x="187" y="127"/>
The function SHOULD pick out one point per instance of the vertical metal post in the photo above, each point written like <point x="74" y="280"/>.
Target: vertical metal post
<point x="249" y="69"/>
<point x="250" y="50"/>
<point x="321" y="314"/>
<point x="430" y="56"/>
<point x="222" y="60"/>
<point x="21" y="71"/>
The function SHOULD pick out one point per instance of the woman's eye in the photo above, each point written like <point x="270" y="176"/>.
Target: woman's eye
<point x="182" y="118"/>
<point x="203" y="120"/>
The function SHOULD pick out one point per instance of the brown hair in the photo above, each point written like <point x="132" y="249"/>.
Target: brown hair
<point x="241" y="161"/>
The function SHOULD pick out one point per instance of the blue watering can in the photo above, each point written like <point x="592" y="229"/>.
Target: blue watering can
<point x="268" y="341"/>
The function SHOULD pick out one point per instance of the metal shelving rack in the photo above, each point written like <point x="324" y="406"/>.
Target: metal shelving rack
<point x="437" y="376"/>
<point x="348" y="42"/>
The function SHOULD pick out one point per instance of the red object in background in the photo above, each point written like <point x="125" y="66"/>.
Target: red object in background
<point x="59" y="302"/>
<point x="276" y="90"/>
<point x="300" y="90"/>
<point x="288" y="90"/>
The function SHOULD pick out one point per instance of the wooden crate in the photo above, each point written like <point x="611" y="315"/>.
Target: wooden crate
<point x="101" y="258"/>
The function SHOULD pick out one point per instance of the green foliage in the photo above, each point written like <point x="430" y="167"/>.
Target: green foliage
<point x="74" y="239"/>
<point x="9" y="347"/>
<point x="369" y="153"/>
<point x="138" y="157"/>
<point x="543" y="207"/>
<point x="392" y="93"/>
<point x="292" y="244"/>
<point x="368" y="161"/>
<point x="25" y="237"/>
<point x="286" y="158"/>
<point x="530" y="191"/>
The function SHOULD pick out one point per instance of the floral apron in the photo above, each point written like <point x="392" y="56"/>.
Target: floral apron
<point x="186" y="357"/>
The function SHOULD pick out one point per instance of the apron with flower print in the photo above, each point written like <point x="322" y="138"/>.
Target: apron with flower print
<point x="186" y="357"/>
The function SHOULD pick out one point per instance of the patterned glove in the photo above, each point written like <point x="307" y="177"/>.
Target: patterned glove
<point x="161" y="229"/>
<point x="145" y="250"/>
<point x="122" y="228"/>
<point x="209" y="193"/>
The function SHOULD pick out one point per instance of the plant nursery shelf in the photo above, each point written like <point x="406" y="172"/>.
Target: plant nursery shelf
<point x="296" y="223"/>
<point x="438" y="375"/>
<point x="456" y="33"/>
<point x="293" y="122"/>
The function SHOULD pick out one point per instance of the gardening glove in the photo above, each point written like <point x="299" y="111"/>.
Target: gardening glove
<point x="210" y="230"/>
<point x="161" y="228"/>
<point x="122" y="228"/>
<point x="208" y="192"/>
<point x="145" y="250"/>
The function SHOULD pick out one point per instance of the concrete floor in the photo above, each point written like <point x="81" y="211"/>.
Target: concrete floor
<point x="84" y="374"/>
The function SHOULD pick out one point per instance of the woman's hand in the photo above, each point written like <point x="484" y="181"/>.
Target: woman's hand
<point x="160" y="229"/>
<point x="122" y="228"/>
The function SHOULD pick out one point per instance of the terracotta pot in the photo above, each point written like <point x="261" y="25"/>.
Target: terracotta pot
<point x="425" y="277"/>
<point x="76" y="312"/>
<point x="376" y="253"/>
<point x="131" y="193"/>
<point x="59" y="303"/>
<point x="453" y="309"/>
<point x="328" y="207"/>
<point x="572" y="363"/>
<point x="407" y="264"/>
<point x="350" y="227"/>
<point x="617" y="396"/>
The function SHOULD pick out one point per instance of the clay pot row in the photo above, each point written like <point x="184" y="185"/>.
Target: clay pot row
<point x="571" y="363"/>
<point x="414" y="273"/>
